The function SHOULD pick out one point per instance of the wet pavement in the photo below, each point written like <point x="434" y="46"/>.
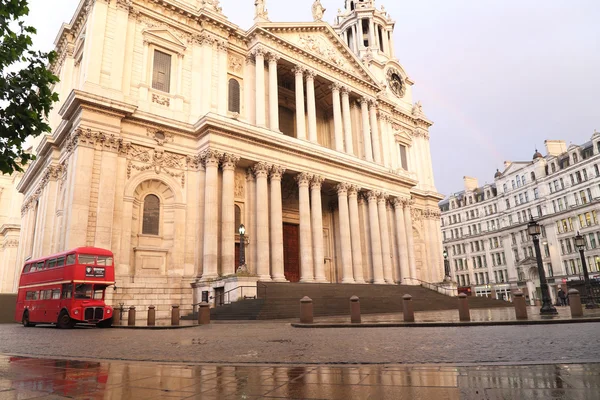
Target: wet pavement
<point x="32" y="378"/>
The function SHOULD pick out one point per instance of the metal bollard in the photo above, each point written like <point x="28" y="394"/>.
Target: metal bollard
<point x="175" y="316"/>
<point x="463" y="307"/>
<point x="306" y="310"/>
<point x="117" y="316"/>
<point x="151" y="316"/>
<point x="204" y="314"/>
<point x="520" y="305"/>
<point x="131" y="316"/>
<point x="575" y="303"/>
<point x="408" y="308"/>
<point x="355" y="310"/>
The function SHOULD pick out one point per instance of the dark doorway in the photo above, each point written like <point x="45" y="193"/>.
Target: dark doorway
<point x="219" y="296"/>
<point x="291" y="252"/>
<point x="236" y="262"/>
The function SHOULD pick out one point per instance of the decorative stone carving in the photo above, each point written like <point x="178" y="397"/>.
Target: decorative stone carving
<point x="194" y="163"/>
<point x="316" y="182"/>
<point x="353" y="190"/>
<point x="261" y="169"/>
<point x="159" y="160"/>
<point x="277" y="172"/>
<point x="298" y="70"/>
<point x="303" y="179"/>
<point x="161" y="100"/>
<point x="382" y="198"/>
<point x="235" y="64"/>
<point x="160" y="136"/>
<point x="310" y="74"/>
<point x="342" y="189"/>
<point x="210" y="157"/>
<point x="239" y="189"/>
<point x="273" y="58"/>
<point x="372" y="195"/>
<point x="261" y="14"/>
<point x="319" y="46"/>
<point x="229" y="161"/>
<point x="417" y="110"/>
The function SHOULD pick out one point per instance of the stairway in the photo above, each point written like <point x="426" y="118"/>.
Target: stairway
<point x="282" y="300"/>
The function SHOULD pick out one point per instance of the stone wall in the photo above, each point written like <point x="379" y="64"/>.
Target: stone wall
<point x="8" y="304"/>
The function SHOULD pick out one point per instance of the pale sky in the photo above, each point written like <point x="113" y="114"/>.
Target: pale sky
<point x="498" y="77"/>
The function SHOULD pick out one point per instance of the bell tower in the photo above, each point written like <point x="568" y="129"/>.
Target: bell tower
<point x="367" y="30"/>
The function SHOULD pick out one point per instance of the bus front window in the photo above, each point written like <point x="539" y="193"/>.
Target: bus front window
<point x="99" y="292"/>
<point x="83" y="291"/>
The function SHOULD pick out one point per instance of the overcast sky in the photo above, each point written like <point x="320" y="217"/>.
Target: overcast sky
<point x="498" y="77"/>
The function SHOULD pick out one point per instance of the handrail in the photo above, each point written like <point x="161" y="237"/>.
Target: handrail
<point x="434" y="285"/>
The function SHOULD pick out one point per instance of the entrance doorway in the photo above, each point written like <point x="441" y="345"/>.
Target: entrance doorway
<point x="291" y="252"/>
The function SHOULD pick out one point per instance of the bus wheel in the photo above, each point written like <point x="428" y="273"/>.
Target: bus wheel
<point x="64" y="321"/>
<point x="25" y="320"/>
<point x="105" y="324"/>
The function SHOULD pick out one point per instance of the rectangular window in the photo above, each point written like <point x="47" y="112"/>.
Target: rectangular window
<point x="70" y="259"/>
<point x="161" y="73"/>
<point x="536" y="193"/>
<point x="592" y="238"/>
<point x="403" y="158"/>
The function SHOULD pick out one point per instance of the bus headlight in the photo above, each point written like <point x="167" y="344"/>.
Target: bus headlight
<point x="108" y="310"/>
<point x="76" y="312"/>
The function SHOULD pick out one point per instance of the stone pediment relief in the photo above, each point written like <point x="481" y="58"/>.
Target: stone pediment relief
<point x="403" y="137"/>
<point x="327" y="46"/>
<point x="164" y="38"/>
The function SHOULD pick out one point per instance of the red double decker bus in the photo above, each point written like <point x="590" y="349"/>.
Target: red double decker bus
<point x="66" y="289"/>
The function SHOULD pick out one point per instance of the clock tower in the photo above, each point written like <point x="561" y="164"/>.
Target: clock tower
<point x="369" y="33"/>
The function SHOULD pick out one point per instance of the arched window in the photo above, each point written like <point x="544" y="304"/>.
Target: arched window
<point x="553" y="167"/>
<point x="151" y="216"/>
<point x="575" y="158"/>
<point x="238" y="217"/>
<point x="234" y="96"/>
<point x="533" y="176"/>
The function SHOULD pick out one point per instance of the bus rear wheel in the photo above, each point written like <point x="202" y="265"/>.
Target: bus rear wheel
<point x="64" y="321"/>
<point x="105" y="324"/>
<point x="25" y="320"/>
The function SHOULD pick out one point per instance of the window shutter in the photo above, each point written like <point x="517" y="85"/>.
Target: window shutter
<point x="161" y="75"/>
<point x="234" y="96"/>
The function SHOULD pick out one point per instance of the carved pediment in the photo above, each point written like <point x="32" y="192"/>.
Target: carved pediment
<point x="164" y="38"/>
<point x="322" y="42"/>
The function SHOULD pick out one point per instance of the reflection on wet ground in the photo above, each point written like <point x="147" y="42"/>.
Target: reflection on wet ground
<point x="477" y="315"/>
<point x="30" y="378"/>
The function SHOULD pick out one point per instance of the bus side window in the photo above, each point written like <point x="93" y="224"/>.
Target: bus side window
<point x="70" y="259"/>
<point x="40" y="266"/>
<point x="55" y="294"/>
<point x="27" y="268"/>
<point x="60" y="262"/>
<point x="51" y="263"/>
<point x="67" y="291"/>
<point x="32" y="296"/>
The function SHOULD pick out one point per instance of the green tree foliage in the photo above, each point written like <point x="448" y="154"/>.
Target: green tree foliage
<point x="26" y="96"/>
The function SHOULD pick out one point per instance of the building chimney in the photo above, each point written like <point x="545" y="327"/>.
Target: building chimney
<point x="555" y="147"/>
<point x="470" y="183"/>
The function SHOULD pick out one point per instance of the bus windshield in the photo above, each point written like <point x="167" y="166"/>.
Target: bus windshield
<point x="88" y="292"/>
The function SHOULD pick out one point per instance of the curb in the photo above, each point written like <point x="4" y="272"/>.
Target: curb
<point x="156" y="328"/>
<point x="447" y="324"/>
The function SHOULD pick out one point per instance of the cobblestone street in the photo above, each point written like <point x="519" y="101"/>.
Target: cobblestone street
<point x="278" y="342"/>
<point x="29" y="378"/>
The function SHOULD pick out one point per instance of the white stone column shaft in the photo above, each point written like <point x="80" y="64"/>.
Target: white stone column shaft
<point x="260" y="88"/>
<point x="306" y="254"/>
<point x="386" y="251"/>
<point x="338" y="127"/>
<point x="228" y="228"/>
<point x="402" y="240"/>
<point x="355" y="235"/>
<point x="410" y="239"/>
<point x="375" y="133"/>
<point x="366" y="128"/>
<point x="222" y="49"/>
<point x="277" y="260"/>
<point x="210" y="159"/>
<point x="311" y="103"/>
<point x="261" y="171"/>
<point x="317" y="229"/>
<point x="273" y="93"/>
<point x="300" y="113"/>
<point x="378" y="276"/>
<point x="345" y="241"/>
<point x="347" y="120"/>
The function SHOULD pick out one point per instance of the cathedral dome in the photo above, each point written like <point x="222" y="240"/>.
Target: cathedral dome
<point x="498" y="174"/>
<point x="537" y="155"/>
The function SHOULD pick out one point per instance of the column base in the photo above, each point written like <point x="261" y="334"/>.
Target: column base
<point x="390" y="282"/>
<point x="351" y="281"/>
<point x="321" y="280"/>
<point x="265" y="278"/>
<point x="381" y="282"/>
<point x="303" y="280"/>
<point x="206" y="277"/>
<point x="360" y="282"/>
<point x="279" y="279"/>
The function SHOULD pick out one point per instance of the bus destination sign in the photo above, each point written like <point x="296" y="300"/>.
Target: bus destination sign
<point x="94" y="272"/>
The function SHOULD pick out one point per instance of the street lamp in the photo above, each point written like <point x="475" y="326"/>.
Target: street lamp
<point x="580" y="244"/>
<point x="242" y="232"/>
<point x="534" y="230"/>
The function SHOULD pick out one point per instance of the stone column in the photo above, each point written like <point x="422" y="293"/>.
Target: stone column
<point x="277" y="266"/>
<point x="317" y="229"/>
<point x="426" y="266"/>
<point x="311" y="103"/>
<point x="366" y="128"/>
<point x="347" y="120"/>
<point x="375" y="132"/>
<point x="337" y="118"/>
<point x="306" y="254"/>
<point x="346" y="246"/>
<point x="372" y="43"/>
<point x="300" y="114"/>
<point x="210" y="158"/>
<point x="206" y="72"/>
<point x="261" y="171"/>
<point x="409" y="238"/>
<point x="259" y="54"/>
<point x="228" y="227"/>
<point x="251" y="217"/>
<point x="402" y="240"/>
<point x="273" y="93"/>
<point x="385" y="239"/>
<point x="222" y="50"/>
<point x="363" y="214"/>
<point x="355" y="233"/>
<point x="378" y="276"/>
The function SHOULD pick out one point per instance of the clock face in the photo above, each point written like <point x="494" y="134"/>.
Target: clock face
<point x="396" y="82"/>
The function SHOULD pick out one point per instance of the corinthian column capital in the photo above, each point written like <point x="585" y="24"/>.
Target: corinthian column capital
<point x="277" y="172"/>
<point x="317" y="182"/>
<point x="303" y="179"/>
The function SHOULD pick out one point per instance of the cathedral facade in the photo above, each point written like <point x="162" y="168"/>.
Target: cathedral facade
<point x="176" y="127"/>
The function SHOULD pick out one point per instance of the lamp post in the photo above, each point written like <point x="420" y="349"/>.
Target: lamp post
<point x="534" y="230"/>
<point x="242" y="232"/>
<point x="446" y="265"/>
<point x="580" y="244"/>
